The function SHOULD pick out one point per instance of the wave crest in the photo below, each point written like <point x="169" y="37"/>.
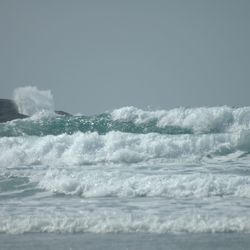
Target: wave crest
<point x="199" y="120"/>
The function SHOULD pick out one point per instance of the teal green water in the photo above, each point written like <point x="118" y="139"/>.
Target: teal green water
<point x="101" y="124"/>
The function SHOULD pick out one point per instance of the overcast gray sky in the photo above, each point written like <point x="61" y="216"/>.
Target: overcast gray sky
<point x="100" y="55"/>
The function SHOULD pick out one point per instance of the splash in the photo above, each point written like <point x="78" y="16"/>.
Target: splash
<point x="30" y="100"/>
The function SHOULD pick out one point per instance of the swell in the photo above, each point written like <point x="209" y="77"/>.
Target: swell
<point x="102" y="124"/>
<point x="202" y="120"/>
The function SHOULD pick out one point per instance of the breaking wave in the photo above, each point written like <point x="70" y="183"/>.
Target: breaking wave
<point x="213" y="120"/>
<point x="116" y="147"/>
<point x="128" y="170"/>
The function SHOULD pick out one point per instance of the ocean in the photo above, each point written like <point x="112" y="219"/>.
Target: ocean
<point x="125" y="179"/>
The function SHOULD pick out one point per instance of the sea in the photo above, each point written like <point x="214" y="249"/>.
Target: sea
<point x="124" y="179"/>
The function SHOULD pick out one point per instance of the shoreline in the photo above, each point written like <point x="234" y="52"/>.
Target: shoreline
<point x="122" y="241"/>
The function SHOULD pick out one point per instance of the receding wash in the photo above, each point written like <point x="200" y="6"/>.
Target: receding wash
<point x="183" y="170"/>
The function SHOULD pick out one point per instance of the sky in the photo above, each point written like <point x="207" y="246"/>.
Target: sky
<point x="96" y="56"/>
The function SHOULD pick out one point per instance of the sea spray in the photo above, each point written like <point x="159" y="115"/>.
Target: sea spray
<point x="31" y="100"/>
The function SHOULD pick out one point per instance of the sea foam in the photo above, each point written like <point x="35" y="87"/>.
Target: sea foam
<point x="116" y="147"/>
<point x="114" y="221"/>
<point x="127" y="183"/>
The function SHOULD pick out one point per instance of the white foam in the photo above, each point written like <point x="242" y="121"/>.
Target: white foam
<point x="114" y="147"/>
<point x="113" y="221"/>
<point x="200" y="120"/>
<point x="30" y="100"/>
<point x="100" y="183"/>
<point x="92" y="165"/>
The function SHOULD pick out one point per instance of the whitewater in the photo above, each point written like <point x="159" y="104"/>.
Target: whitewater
<point x="182" y="170"/>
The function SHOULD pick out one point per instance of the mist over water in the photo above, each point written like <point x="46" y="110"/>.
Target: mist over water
<point x="128" y="170"/>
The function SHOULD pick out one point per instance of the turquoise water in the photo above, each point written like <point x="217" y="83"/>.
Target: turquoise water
<point x="101" y="124"/>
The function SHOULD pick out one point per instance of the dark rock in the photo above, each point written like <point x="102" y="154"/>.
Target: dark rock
<point x="59" y="112"/>
<point x="9" y="111"/>
<point x="10" y="117"/>
<point x="8" y="107"/>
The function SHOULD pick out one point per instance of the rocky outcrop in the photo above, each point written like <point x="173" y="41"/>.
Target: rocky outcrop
<point x="59" y="112"/>
<point x="9" y="111"/>
<point x="8" y="106"/>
